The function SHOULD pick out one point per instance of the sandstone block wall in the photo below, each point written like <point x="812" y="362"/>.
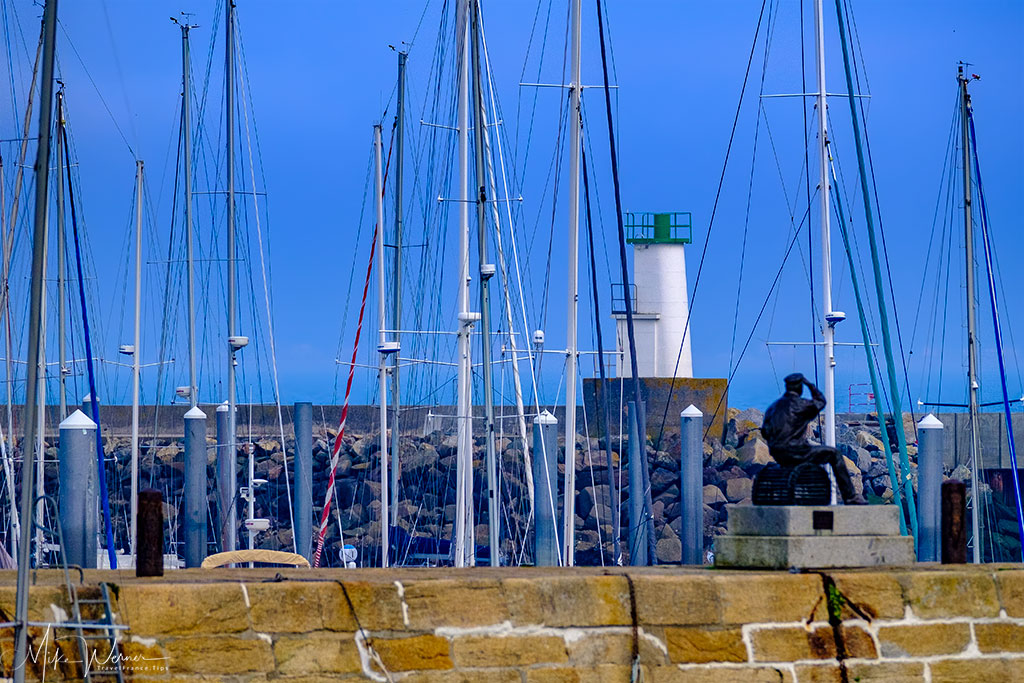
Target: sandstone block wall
<point x="521" y="625"/>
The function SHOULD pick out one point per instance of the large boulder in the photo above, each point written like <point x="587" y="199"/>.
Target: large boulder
<point x="738" y="489"/>
<point x="668" y="548"/>
<point x="754" y="453"/>
<point x="713" y="495"/>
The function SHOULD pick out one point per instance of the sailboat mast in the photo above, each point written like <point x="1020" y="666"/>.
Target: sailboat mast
<point x="486" y="272"/>
<point x="382" y="371"/>
<point x="61" y="284"/>
<point x="186" y="124"/>
<point x="972" y="322"/>
<point x="575" y="147"/>
<point x="396" y="295"/>
<point x="228" y="529"/>
<point x="828" y="328"/>
<point x="136" y="366"/>
<point x="42" y="170"/>
<point x="464" y="543"/>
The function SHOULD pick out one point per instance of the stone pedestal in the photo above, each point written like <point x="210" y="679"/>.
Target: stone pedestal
<point x="784" y="536"/>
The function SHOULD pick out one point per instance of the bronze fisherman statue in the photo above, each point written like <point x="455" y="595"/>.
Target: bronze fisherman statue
<point x="785" y="429"/>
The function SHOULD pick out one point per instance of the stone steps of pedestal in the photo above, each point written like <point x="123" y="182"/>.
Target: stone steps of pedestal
<point x="805" y="552"/>
<point x="810" y="520"/>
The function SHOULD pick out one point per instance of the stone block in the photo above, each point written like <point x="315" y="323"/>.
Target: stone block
<point x="799" y="520"/>
<point x="923" y="640"/>
<point x="450" y="602"/>
<point x="504" y="651"/>
<point x="464" y="676"/>
<point x="792" y="643"/>
<point x="885" y="672"/>
<point x="314" y="653"/>
<point x="1011" y="591"/>
<point x="702" y="645"/>
<point x="171" y="609"/>
<point x="858" y="642"/>
<point x="219" y="655"/>
<point x="292" y="607"/>
<point x="769" y="597"/>
<point x="558" y="600"/>
<point x="552" y="674"/>
<point x="711" y="673"/>
<point x="782" y="552"/>
<point x="598" y="648"/>
<point x="952" y="594"/>
<point x="999" y="637"/>
<point x="826" y="672"/>
<point x="415" y="653"/>
<point x="682" y="599"/>
<point x="977" y="670"/>
<point x="876" y="594"/>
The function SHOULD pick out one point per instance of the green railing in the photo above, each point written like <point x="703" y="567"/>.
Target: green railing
<point x="658" y="228"/>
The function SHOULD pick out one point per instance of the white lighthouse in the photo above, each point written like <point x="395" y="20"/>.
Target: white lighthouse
<point x="658" y="296"/>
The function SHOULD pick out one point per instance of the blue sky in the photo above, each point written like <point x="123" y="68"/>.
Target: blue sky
<point x="319" y="74"/>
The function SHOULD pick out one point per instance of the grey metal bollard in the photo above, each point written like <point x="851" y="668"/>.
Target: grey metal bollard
<point x="546" y="550"/>
<point x="226" y="481"/>
<point x="87" y="406"/>
<point x="929" y="488"/>
<point x="637" y="522"/>
<point x="691" y="483"/>
<point x="78" y="500"/>
<point x="303" y="421"/>
<point x="195" y="487"/>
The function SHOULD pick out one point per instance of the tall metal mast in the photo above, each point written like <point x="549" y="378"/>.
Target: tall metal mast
<point x="186" y="124"/>
<point x="487" y="271"/>
<point x="575" y="90"/>
<point x="464" y="540"/>
<point x="397" y="276"/>
<point x="42" y="170"/>
<point x="136" y="367"/>
<point x="228" y="529"/>
<point x="382" y="371"/>
<point x="972" y="323"/>
<point x="61" y="303"/>
<point x="828" y="328"/>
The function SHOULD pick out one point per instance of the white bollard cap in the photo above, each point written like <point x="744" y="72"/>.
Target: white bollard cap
<point x="545" y="418"/>
<point x="691" y="411"/>
<point x="77" y="420"/>
<point x="929" y="421"/>
<point x="195" y="414"/>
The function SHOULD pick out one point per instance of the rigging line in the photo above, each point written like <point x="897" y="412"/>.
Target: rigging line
<point x="872" y="363"/>
<point x="164" y="331"/>
<point x="352" y="270"/>
<point x="764" y="306"/>
<point x="508" y="210"/>
<point x="880" y="294"/>
<point x="750" y="192"/>
<point x="881" y="228"/>
<point x="100" y="459"/>
<point x="807" y="183"/>
<point x="648" y="505"/>
<point x="931" y="237"/>
<point x="987" y="242"/>
<point x="604" y="417"/>
<point x="338" y="440"/>
<point x="96" y="87"/>
<point x="266" y="297"/>
<point x="711" y="223"/>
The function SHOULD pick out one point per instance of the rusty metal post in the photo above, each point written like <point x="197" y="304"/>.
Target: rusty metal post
<point x="149" y="558"/>
<point x="954" y="517"/>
